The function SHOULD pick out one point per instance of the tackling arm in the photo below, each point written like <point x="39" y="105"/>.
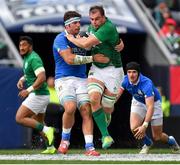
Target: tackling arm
<point x="85" y="42"/>
<point x="75" y="59"/>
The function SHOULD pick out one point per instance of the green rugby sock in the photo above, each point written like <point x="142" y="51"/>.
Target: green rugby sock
<point x="99" y="117"/>
<point x="39" y="127"/>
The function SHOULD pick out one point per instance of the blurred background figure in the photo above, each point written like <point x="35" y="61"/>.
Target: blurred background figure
<point x="165" y="103"/>
<point x="161" y="13"/>
<point x="53" y="95"/>
<point x="169" y="28"/>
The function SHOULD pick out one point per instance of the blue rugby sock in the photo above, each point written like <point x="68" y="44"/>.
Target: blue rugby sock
<point x="89" y="146"/>
<point x="147" y="140"/>
<point x="65" y="136"/>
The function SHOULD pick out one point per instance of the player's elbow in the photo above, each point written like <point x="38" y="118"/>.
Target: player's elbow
<point x="41" y="77"/>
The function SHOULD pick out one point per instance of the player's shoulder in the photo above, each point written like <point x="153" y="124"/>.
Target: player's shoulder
<point x="34" y="56"/>
<point x="125" y="80"/>
<point x="60" y="36"/>
<point x="109" y="25"/>
<point x="145" y="79"/>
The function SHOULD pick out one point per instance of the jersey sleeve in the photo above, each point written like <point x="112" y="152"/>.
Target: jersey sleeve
<point x="124" y="83"/>
<point x="61" y="43"/>
<point x="36" y="63"/>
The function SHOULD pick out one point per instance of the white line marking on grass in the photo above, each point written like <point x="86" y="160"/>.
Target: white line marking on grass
<point x="102" y="157"/>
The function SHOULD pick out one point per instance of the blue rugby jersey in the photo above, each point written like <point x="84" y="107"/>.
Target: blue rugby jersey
<point x="62" y="69"/>
<point x="143" y="89"/>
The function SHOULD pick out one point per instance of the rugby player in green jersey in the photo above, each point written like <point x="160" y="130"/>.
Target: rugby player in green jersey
<point x="104" y="79"/>
<point x="32" y="110"/>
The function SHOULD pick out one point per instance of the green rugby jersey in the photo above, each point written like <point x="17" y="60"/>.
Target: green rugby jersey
<point x="32" y="61"/>
<point x="108" y="36"/>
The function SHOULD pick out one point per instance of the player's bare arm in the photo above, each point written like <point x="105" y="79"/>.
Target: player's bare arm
<point x="20" y="83"/>
<point x="73" y="59"/>
<point x="140" y="131"/>
<point x="120" y="46"/>
<point x="150" y="108"/>
<point x="88" y="42"/>
<point x="41" y="78"/>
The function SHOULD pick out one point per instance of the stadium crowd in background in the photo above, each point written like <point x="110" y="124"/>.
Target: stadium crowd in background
<point x="32" y="110"/>
<point x="166" y="14"/>
<point x="145" y="108"/>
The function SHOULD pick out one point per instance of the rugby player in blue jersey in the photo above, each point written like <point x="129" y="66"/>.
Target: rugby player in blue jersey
<point x="145" y="108"/>
<point x="71" y="83"/>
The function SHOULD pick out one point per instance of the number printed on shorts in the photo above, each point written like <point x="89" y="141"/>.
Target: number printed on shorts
<point x="60" y="88"/>
<point x="91" y="73"/>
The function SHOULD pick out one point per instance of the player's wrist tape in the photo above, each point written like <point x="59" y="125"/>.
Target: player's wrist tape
<point x="82" y="59"/>
<point x="22" y="78"/>
<point x="145" y="124"/>
<point x="30" y="89"/>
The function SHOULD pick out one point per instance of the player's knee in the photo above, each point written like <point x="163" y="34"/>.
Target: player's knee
<point x="108" y="101"/>
<point x="69" y="112"/>
<point x="19" y="118"/>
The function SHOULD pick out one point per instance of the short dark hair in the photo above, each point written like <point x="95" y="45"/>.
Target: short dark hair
<point x="94" y="9"/>
<point x="26" y="38"/>
<point x="133" y="66"/>
<point x="71" y="14"/>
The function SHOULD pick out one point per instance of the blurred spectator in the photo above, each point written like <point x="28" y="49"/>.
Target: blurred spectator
<point x="3" y="50"/>
<point x="161" y="13"/>
<point x="177" y="46"/>
<point x="177" y="50"/>
<point x="165" y="103"/>
<point x="53" y="95"/>
<point x="168" y="31"/>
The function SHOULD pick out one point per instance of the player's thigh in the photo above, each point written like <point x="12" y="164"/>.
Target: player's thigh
<point x="36" y="103"/>
<point x="135" y="120"/>
<point x="65" y="89"/>
<point x="137" y="115"/>
<point x="23" y="112"/>
<point x="157" y="127"/>
<point x="158" y="113"/>
<point x="83" y="100"/>
<point x="112" y="78"/>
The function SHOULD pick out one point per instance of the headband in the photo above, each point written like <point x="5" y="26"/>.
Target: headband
<point x="71" y="20"/>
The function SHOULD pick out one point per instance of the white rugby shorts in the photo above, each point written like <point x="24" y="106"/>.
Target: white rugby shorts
<point x="111" y="77"/>
<point x="140" y="109"/>
<point x="72" y="88"/>
<point x="36" y="103"/>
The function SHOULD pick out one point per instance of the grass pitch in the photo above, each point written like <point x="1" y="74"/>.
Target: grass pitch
<point x="110" y="156"/>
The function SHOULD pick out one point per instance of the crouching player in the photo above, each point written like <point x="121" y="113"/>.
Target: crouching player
<point x="145" y="109"/>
